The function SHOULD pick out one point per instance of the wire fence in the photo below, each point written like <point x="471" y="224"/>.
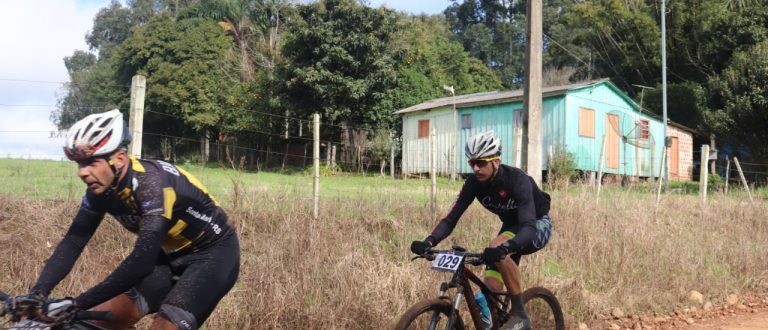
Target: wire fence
<point x="755" y="173"/>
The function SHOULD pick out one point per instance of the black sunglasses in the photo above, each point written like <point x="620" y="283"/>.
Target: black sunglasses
<point x="479" y="162"/>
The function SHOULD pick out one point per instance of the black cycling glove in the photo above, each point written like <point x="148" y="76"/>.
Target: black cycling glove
<point x="495" y="254"/>
<point x="420" y="247"/>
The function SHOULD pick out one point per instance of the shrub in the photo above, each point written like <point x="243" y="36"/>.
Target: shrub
<point x="561" y="168"/>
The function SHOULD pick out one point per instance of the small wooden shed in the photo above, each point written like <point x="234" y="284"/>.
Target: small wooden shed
<point x="575" y="117"/>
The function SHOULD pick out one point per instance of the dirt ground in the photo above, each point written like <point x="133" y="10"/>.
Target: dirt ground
<point x="758" y="320"/>
<point x="749" y="313"/>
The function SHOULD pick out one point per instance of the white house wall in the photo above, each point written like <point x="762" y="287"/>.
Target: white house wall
<point x="416" y="153"/>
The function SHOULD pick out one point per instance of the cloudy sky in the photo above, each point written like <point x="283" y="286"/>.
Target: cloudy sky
<point x="37" y="35"/>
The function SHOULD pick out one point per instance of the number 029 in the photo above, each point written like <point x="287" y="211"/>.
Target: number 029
<point x="446" y="262"/>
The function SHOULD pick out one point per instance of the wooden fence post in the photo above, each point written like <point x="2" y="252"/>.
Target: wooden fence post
<point x="433" y="173"/>
<point x="136" y="122"/>
<point x="743" y="180"/>
<point x="316" y="160"/>
<point x="392" y="154"/>
<point x="727" y="173"/>
<point x="703" y="173"/>
<point x="600" y="167"/>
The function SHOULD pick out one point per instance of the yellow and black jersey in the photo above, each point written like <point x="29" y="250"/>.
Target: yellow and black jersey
<point x="171" y="212"/>
<point x="155" y="187"/>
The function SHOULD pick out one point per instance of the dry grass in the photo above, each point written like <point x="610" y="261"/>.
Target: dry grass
<point x="351" y="269"/>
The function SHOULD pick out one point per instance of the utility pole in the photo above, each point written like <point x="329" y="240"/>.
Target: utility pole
<point x="532" y="89"/>
<point x="665" y="164"/>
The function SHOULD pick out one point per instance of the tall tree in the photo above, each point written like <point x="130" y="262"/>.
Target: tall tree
<point x="740" y="102"/>
<point x="91" y="88"/>
<point x="428" y="59"/>
<point x="624" y="38"/>
<point x="255" y="27"/>
<point x="492" y="31"/>
<point x="182" y="61"/>
<point x="339" y="62"/>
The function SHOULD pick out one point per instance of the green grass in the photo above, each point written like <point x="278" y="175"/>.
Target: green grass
<point x="47" y="179"/>
<point x="351" y="266"/>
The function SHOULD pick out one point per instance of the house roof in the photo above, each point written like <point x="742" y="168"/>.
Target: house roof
<point x="468" y="100"/>
<point x="463" y="101"/>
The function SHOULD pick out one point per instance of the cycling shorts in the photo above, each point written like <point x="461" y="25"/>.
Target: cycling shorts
<point x="193" y="282"/>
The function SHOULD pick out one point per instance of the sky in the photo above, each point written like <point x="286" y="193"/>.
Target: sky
<point x="37" y="35"/>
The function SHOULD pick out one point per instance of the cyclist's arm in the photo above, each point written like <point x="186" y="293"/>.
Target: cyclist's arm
<point x="526" y="213"/>
<point x="139" y="264"/>
<point x="68" y="251"/>
<point x="445" y="226"/>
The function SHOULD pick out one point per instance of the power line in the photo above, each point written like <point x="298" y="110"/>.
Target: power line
<point x="567" y="51"/>
<point x="242" y="130"/>
<point x="33" y="81"/>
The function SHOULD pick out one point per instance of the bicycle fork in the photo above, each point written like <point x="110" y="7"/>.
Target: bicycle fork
<point x="456" y="304"/>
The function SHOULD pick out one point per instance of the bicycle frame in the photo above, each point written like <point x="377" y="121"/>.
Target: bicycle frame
<point x="461" y="281"/>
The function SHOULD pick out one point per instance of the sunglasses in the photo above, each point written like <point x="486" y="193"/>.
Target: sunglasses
<point x="482" y="162"/>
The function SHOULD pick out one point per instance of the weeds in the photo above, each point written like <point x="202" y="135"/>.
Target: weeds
<point x="350" y="269"/>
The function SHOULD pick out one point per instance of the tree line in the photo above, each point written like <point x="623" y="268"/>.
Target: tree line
<point x="234" y="70"/>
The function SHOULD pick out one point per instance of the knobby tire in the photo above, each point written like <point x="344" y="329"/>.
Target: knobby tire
<point x="543" y="309"/>
<point x="419" y="315"/>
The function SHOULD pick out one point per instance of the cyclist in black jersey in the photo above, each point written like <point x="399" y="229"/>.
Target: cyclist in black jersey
<point x="522" y="208"/>
<point x="186" y="256"/>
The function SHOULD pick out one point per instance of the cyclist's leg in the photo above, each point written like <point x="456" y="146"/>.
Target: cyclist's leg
<point x="507" y="272"/>
<point x="129" y="307"/>
<point x="124" y="312"/>
<point x="519" y="320"/>
<point x="504" y="273"/>
<point x="204" y="278"/>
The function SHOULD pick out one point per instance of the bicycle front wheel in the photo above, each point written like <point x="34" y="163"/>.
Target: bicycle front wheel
<point x="430" y="314"/>
<point x="543" y="309"/>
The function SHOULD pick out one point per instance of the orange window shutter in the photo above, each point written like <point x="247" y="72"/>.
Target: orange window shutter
<point x="423" y="128"/>
<point x="586" y="122"/>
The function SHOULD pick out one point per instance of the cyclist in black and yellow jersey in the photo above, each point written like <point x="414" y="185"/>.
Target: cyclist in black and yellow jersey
<point x="522" y="208"/>
<point x="186" y="256"/>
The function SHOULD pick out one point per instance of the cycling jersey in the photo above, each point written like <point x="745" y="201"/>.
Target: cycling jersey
<point x="155" y="187"/>
<point x="171" y="212"/>
<point x="511" y="194"/>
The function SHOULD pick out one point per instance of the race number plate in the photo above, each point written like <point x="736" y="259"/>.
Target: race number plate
<point x="447" y="262"/>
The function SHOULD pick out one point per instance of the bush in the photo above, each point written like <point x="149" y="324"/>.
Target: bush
<point x="715" y="183"/>
<point x="325" y="170"/>
<point x="561" y="168"/>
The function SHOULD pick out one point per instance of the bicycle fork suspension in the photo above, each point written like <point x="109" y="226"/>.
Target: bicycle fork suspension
<point x="454" y="315"/>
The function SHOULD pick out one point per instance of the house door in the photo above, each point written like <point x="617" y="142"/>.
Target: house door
<point x="612" y="139"/>
<point x="674" y="158"/>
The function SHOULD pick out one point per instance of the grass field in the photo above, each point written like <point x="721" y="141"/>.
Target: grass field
<point x="350" y="269"/>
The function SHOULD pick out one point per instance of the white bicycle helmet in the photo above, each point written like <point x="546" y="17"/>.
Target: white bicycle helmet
<point x="483" y="145"/>
<point x="98" y="134"/>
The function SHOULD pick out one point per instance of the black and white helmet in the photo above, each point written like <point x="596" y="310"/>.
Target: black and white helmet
<point x="98" y="134"/>
<point x="483" y="145"/>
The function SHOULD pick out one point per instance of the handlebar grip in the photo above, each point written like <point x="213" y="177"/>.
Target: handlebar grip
<point x="92" y="315"/>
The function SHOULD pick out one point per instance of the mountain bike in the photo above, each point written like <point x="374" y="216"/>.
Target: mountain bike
<point x="78" y="322"/>
<point x="444" y="312"/>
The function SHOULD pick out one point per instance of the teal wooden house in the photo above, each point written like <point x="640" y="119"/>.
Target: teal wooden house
<point x="574" y="117"/>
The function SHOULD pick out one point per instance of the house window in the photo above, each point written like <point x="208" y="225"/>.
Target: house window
<point x="423" y="128"/>
<point x="586" y="122"/>
<point x="644" y="132"/>
<point x="466" y="121"/>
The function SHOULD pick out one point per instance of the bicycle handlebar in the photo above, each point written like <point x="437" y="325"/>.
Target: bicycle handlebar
<point x="471" y="258"/>
<point x="80" y="315"/>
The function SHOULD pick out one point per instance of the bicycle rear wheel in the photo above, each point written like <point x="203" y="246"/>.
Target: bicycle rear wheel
<point x="429" y="314"/>
<point x="543" y="309"/>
